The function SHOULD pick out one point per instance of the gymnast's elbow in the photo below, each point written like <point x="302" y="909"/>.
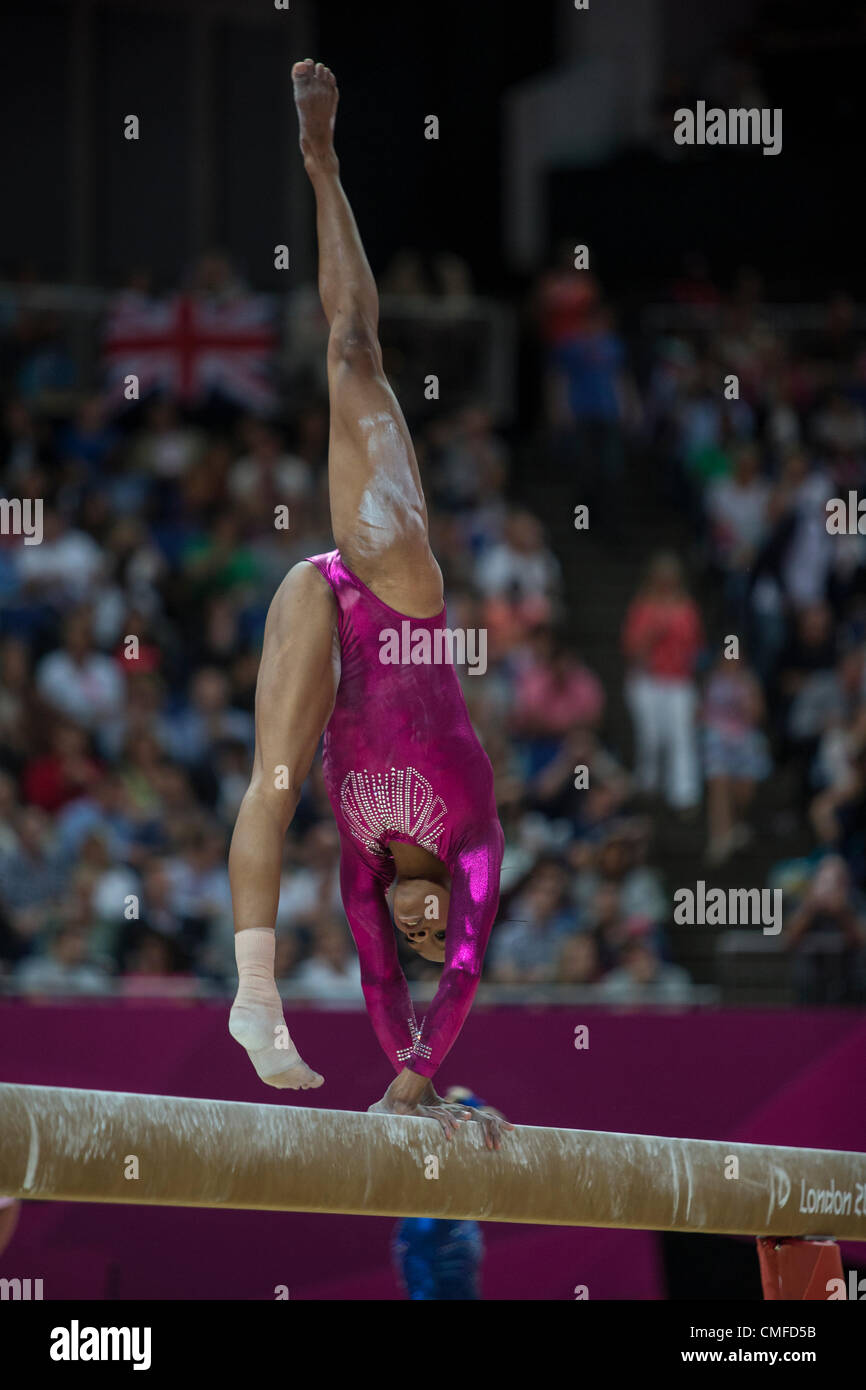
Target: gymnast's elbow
<point x="464" y="976"/>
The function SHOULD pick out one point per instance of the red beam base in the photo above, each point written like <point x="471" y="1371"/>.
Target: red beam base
<point x="799" y="1269"/>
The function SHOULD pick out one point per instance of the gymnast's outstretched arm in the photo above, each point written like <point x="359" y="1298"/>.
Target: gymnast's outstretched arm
<point x="474" y="899"/>
<point x="416" y="1053"/>
<point x="386" y="993"/>
<point x="471" y="913"/>
<point x="389" y="1005"/>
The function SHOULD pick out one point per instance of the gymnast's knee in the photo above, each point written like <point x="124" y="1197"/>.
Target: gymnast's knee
<point x="276" y="793"/>
<point x="354" y="343"/>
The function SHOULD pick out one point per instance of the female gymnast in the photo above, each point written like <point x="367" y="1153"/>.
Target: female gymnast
<point x="410" y="786"/>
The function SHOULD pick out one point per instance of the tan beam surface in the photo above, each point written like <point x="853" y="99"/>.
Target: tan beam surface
<point x="78" y="1146"/>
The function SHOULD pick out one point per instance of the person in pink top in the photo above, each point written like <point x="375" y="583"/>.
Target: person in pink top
<point x="356" y="646"/>
<point x="554" y="691"/>
<point x="662" y="639"/>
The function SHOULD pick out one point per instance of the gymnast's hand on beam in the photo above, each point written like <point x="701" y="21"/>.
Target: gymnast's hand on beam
<point x="494" y="1124"/>
<point x="446" y="1116"/>
<point x="492" y="1121"/>
<point x="411" y="1094"/>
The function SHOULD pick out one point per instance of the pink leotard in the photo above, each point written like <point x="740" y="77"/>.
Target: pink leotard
<point x="402" y="762"/>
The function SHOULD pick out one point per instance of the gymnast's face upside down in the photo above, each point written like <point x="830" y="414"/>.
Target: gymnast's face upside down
<point x="420" y="913"/>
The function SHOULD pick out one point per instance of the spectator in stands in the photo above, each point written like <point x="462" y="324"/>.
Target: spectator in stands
<point x="405" y="276"/>
<point x="65" y="772"/>
<point x="662" y="639"/>
<point x="28" y="443"/>
<point x="452" y="277"/>
<point x="578" y="962"/>
<point x="265" y="475"/>
<point x="838" y="814"/>
<point x="782" y="431"/>
<point x="592" y="398"/>
<point x="286" y="956"/>
<point x="115" y="887"/>
<point x="219" y="561"/>
<point x="199" y="877"/>
<point x="618" y="861"/>
<point x="312" y="888"/>
<point x="33" y="874"/>
<point x="520" y="581"/>
<point x="332" y="970"/>
<point x="156" y="966"/>
<point x="64" y="569"/>
<point x="590" y="364"/>
<point x="554" y="690"/>
<point x="526" y="946"/>
<point x="737" y="508"/>
<point x="88" y="445"/>
<point x="65" y="968"/>
<point x="563" y="787"/>
<point x="105" y="810"/>
<point x="643" y="978"/>
<point x="470" y="473"/>
<point x="16" y="699"/>
<point x="521" y="568"/>
<point x="799" y="514"/>
<point x="164" y="452"/>
<point x="208" y="719"/>
<point x="46" y="375"/>
<point x="135" y="568"/>
<point x="839" y="431"/>
<point x="159" y="909"/>
<point x="79" y="681"/>
<point x="694" y="285"/>
<point x="808" y="678"/>
<point x="826" y="937"/>
<point x="707" y="426"/>
<point x="167" y="446"/>
<point x="736" y="756"/>
<point x="792" y="566"/>
<point x="8" y="812"/>
<point x="608" y="922"/>
<point x="563" y="298"/>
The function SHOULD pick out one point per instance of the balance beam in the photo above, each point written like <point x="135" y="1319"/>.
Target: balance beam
<point x="78" y="1146"/>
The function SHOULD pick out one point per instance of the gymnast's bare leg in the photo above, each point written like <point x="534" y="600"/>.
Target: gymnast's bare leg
<point x="378" y="512"/>
<point x="379" y="520"/>
<point x="297" y="683"/>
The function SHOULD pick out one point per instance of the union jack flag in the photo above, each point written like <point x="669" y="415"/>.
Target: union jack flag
<point x="193" y="347"/>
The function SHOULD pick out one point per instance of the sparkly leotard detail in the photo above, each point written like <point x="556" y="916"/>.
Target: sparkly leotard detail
<point x="402" y="762"/>
<point x="380" y="805"/>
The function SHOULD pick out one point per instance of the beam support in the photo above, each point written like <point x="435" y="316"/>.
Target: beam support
<point x="79" y="1146"/>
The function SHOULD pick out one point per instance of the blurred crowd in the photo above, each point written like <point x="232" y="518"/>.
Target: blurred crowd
<point x="743" y="655"/>
<point x="129" y="643"/>
<point x="754" y="426"/>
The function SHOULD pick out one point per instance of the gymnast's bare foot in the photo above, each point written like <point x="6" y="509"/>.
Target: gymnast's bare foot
<point x="263" y="1033"/>
<point x="316" y="98"/>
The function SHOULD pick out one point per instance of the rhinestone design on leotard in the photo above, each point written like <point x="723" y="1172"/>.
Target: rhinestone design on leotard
<point x="399" y="801"/>
<point x="404" y="1053"/>
<point x="418" y="1049"/>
